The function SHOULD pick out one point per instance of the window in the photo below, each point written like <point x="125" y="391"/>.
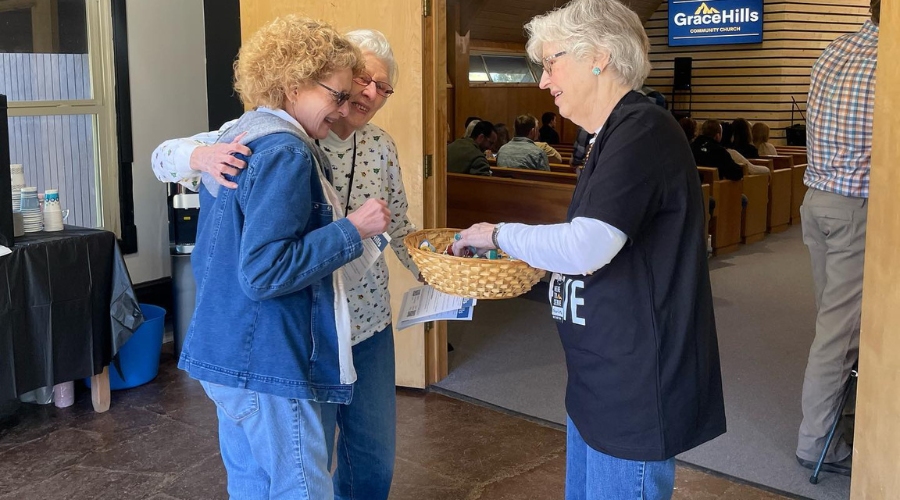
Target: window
<point x="56" y="70"/>
<point x="505" y="69"/>
<point x="477" y="72"/>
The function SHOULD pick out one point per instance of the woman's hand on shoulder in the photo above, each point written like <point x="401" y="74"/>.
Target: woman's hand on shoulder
<point x="218" y="160"/>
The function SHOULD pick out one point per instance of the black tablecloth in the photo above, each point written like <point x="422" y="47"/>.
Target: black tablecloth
<point x="66" y="308"/>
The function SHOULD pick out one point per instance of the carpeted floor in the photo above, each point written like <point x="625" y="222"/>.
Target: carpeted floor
<point x="510" y="356"/>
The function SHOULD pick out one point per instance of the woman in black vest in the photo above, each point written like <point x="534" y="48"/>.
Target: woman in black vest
<point x="630" y="291"/>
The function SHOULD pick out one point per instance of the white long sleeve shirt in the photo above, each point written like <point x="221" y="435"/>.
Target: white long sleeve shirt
<point x="579" y="247"/>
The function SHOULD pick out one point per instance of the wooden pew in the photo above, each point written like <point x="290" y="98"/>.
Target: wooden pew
<point x="535" y="175"/>
<point x="798" y="153"/>
<point x="474" y="198"/>
<point x="798" y="191"/>
<point x="779" y="213"/>
<point x="560" y="167"/>
<point x="753" y="224"/>
<point x="726" y="221"/>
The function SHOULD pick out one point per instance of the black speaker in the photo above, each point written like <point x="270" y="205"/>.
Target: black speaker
<point x="683" y="73"/>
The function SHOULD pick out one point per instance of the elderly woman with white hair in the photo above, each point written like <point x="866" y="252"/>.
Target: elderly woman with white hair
<point x="630" y="290"/>
<point x="364" y="165"/>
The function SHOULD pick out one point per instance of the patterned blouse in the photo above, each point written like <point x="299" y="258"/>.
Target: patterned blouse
<point x="376" y="174"/>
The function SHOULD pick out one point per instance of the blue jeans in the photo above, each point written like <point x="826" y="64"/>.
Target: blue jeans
<point x="591" y="475"/>
<point x="368" y="425"/>
<point x="272" y="447"/>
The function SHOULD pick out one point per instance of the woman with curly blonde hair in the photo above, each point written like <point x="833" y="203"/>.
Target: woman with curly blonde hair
<point x="270" y="340"/>
<point x="364" y="165"/>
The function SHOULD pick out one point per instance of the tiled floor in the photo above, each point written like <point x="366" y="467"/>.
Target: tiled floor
<point x="158" y="442"/>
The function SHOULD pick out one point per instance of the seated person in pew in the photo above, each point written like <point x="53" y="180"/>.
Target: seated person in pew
<point x="760" y="133"/>
<point x="502" y="135"/>
<point x="739" y="147"/>
<point x="548" y="133"/>
<point x="749" y="168"/>
<point x="742" y="141"/>
<point x="552" y="154"/>
<point x="470" y="124"/>
<point x="689" y="125"/>
<point x="466" y="155"/>
<point x="708" y="152"/>
<point x="521" y="152"/>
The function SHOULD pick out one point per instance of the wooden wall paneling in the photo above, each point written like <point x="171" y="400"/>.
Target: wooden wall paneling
<point x="875" y="463"/>
<point x="461" y="83"/>
<point x="402" y="23"/>
<point x="503" y="20"/>
<point x="497" y="103"/>
<point x="755" y="81"/>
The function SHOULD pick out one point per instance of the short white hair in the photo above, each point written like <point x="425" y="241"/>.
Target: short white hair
<point x="585" y="28"/>
<point x="374" y="41"/>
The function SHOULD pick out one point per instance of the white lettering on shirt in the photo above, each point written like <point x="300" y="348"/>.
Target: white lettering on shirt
<point x="575" y="300"/>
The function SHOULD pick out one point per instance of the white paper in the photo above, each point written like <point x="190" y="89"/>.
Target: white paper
<point x="372" y="249"/>
<point x="4" y="251"/>
<point x="424" y="303"/>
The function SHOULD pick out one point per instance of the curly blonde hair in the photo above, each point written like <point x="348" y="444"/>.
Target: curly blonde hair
<point x="288" y="52"/>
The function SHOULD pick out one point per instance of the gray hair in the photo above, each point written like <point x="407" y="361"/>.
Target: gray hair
<point x="585" y="28"/>
<point x="374" y="41"/>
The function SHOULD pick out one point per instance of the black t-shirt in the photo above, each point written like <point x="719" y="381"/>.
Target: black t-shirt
<point x="747" y="150"/>
<point x="709" y="153"/>
<point x="639" y="334"/>
<point x="548" y="134"/>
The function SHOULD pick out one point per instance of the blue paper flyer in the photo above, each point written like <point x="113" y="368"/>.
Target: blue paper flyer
<point x="424" y="303"/>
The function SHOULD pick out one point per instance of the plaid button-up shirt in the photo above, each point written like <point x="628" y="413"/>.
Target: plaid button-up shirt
<point x="839" y="114"/>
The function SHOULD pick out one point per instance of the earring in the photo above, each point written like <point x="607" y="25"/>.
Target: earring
<point x="596" y="71"/>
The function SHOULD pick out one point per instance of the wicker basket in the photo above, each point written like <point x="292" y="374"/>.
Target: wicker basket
<point x="467" y="277"/>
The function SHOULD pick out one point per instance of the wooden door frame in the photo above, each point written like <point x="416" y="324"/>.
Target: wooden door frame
<point x="434" y="97"/>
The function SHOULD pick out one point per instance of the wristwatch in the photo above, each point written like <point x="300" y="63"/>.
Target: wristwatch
<point x="496" y="233"/>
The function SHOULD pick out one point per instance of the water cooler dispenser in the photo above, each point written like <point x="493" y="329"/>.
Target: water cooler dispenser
<point x="184" y="208"/>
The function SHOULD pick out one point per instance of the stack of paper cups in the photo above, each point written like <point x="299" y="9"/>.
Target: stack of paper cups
<point x="53" y="217"/>
<point x="31" y="210"/>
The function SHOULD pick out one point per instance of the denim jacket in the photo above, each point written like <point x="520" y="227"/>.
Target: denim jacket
<point x="263" y="262"/>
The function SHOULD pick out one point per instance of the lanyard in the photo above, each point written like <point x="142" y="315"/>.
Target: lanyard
<point x="352" y="174"/>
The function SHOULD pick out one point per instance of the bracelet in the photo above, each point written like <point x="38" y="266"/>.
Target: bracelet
<point x="496" y="233"/>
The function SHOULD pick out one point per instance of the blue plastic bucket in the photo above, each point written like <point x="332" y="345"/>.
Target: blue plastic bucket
<point x="139" y="357"/>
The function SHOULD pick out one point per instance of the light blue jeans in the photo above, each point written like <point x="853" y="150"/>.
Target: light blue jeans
<point x="591" y="475"/>
<point x="272" y="447"/>
<point x="368" y="425"/>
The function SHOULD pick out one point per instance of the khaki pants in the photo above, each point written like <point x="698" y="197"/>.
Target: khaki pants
<point x="834" y="230"/>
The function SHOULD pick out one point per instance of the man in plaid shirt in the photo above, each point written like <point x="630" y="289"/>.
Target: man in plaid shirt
<point x="839" y="148"/>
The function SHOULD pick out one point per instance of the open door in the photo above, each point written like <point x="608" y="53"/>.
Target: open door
<point x="414" y="116"/>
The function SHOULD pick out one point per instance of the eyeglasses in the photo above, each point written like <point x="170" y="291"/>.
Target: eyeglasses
<point x="382" y="88"/>
<point x="339" y="97"/>
<point x="548" y="61"/>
